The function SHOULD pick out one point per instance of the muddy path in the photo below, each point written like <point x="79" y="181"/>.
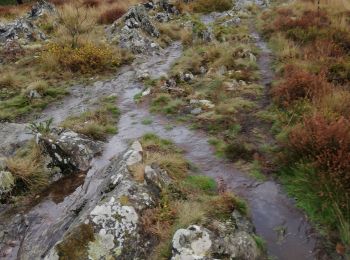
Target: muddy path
<point x="283" y="227"/>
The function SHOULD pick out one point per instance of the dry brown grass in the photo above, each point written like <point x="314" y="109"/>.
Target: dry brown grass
<point x="28" y="168"/>
<point x="138" y="172"/>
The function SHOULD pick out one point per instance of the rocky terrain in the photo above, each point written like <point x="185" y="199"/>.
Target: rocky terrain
<point x="144" y="137"/>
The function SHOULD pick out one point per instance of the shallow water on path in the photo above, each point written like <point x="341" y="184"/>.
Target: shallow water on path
<point x="287" y="233"/>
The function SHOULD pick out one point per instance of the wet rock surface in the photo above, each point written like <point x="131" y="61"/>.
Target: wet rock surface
<point x="12" y="137"/>
<point x="69" y="150"/>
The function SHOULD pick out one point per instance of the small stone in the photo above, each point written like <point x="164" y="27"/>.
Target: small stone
<point x="196" y="111"/>
<point x="146" y="92"/>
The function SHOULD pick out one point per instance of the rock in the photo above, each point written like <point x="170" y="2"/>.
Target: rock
<point x="203" y="102"/>
<point x="69" y="150"/>
<point x="162" y="17"/>
<point x="156" y="177"/>
<point x="196" y="111"/>
<point x="232" y="22"/>
<point x="134" y="40"/>
<point x="142" y="75"/>
<point x="206" y="35"/>
<point x="41" y="8"/>
<point x="33" y="94"/>
<point x="202" y="70"/>
<point x="252" y="57"/>
<point x="167" y="6"/>
<point x="146" y="92"/>
<point x="149" y="5"/>
<point x="7" y="182"/>
<point x="134" y="31"/>
<point x="170" y="83"/>
<point x="22" y="29"/>
<point x="112" y="216"/>
<point x="191" y="243"/>
<point x="137" y="17"/>
<point x="186" y="76"/>
<point x="134" y="155"/>
<point x="13" y="136"/>
<point x="232" y="240"/>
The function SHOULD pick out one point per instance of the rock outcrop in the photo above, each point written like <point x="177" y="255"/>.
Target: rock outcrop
<point x="228" y="240"/>
<point x="69" y="151"/>
<point x="135" y="31"/>
<point x="23" y="29"/>
<point x="114" y="221"/>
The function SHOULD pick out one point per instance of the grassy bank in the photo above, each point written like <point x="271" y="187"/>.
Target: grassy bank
<point x="311" y="111"/>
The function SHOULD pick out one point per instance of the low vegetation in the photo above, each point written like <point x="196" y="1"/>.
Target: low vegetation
<point x="184" y="202"/>
<point x="96" y="123"/>
<point x="76" y="51"/>
<point x="311" y="117"/>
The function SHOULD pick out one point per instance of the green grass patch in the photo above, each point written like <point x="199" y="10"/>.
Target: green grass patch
<point x="97" y="124"/>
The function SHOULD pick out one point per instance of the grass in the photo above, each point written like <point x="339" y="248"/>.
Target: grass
<point x="28" y="168"/>
<point x="313" y="95"/>
<point x="186" y="201"/>
<point x="97" y="124"/>
<point x="77" y="51"/>
<point x="147" y="121"/>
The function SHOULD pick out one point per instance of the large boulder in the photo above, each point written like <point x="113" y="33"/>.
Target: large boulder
<point x="12" y="137"/>
<point x="220" y="240"/>
<point x="41" y="8"/>
<point x="135" y="31"/>
<point x="113" y="223"/>
<point x="137" y="17"/>
<point x="22" y="30"/>
<point x="69" y="150"/>
<point x="135" y="41"/>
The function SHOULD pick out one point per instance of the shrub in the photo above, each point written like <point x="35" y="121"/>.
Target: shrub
<point x="110" y="15"/>
<point x="85" y="59"/>
<point x="299" y="84"/>
<point x="207" y="6"/>
<point x="326" y="145"/>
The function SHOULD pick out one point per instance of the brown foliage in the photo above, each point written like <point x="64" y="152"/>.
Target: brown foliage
<point x="299" y="84"/>
<point x="91" y="3"/>
<point x="109" y="16"/>
<point x="286" y="21"/>
<point x="326" y="144"/>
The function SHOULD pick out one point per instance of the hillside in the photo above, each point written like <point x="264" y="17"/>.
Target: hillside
<point x="175" y="129"/>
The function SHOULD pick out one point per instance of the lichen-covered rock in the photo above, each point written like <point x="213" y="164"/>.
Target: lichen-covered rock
<point x="191" y="243"/>
<point x="137" y="17"/>
<point x="41" y="8"/>
<point x="69" y="150"/>
<point x="162" y="17"/>
<point x="22" y="30"/>
<point x="220" y="240"/>
<point x="134" y="155"/>
<point x="134" y="31"/>
<point x="12" y="136"/>
<point x="113" y="222"/>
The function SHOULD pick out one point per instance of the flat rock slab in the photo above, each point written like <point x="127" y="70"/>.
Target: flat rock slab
<point x="13" y="136"/>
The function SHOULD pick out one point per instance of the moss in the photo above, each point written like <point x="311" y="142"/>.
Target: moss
<point x="75" y="246"/>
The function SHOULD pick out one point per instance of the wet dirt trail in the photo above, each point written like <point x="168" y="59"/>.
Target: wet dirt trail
<point x="283" y="227"/>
